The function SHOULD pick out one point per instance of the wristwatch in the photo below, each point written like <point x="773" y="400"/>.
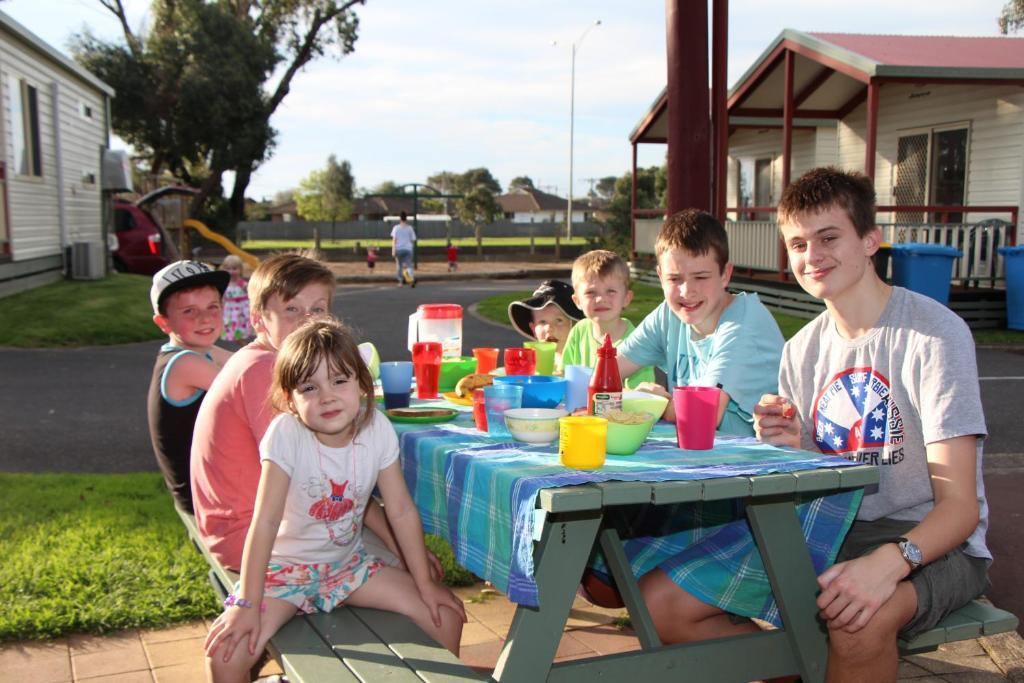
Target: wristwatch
<point x="911" y="553"/>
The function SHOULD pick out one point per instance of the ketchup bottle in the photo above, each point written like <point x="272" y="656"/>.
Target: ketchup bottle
<point x="605" y="392"/>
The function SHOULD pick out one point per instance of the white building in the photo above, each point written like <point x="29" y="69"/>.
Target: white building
<point x="528" y="205"/>
<point x="936" y="121"/>
<point x="55" y="127"/>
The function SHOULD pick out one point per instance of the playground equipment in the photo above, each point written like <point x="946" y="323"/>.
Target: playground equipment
<point x="249" y="259"/>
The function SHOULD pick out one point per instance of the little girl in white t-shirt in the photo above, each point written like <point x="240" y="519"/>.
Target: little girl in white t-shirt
<point x="322" y="457"/>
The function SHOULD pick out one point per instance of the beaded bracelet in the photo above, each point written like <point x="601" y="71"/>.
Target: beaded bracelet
<point x="234" y="601"/>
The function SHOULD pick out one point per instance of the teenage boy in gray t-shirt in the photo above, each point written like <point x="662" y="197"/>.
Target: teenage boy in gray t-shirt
<point x="886" y="377"/>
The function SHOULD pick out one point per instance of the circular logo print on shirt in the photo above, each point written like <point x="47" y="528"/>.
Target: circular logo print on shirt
<point x="855" y="411"/>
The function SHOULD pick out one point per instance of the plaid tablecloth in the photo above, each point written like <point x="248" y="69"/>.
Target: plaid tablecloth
<point x="480" y="494"/>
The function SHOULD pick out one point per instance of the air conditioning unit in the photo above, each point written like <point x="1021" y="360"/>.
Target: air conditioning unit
<point x="86" y="260"/>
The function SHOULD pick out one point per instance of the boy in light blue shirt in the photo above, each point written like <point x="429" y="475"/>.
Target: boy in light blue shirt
<point x="702" y="335"/>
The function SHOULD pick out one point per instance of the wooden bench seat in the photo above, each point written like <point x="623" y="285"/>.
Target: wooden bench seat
<point x="974" y="619"/>
<point x="350" y="643"/>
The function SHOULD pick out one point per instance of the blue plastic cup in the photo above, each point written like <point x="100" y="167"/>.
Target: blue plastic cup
<point x="578" y="377"/>
<point x="396" y="380"/>
<point x="497" y="399"/>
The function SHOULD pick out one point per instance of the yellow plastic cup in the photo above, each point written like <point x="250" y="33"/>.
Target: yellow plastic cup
<point x="581" y="441"/>
<point x="545" y="356"/>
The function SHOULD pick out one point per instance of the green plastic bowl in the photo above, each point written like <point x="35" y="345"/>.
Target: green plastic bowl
<point x="454" y="369"/>
<point x="648" y="403"/>
<point x="626" y="439"/>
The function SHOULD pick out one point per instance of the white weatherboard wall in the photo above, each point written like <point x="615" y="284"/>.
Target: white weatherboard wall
<point x="810" y="148"/>
<point x="33" y="201"/>
<point x="994" y="116"/>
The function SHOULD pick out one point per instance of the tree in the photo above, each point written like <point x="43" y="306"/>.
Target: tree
<point x="650" y="194"/>
<point x="605" y="187"/>
<point x="1011" y="19"/>
<point x="284" y="196"/>
<point x="197" y="85"/>
<point x="326" y="195"/>
<point x="520" y="182"/>
<point x="479" y="190"/>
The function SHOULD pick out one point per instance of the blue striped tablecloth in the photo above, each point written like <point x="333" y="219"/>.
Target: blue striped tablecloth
<point x="480" y="494"/>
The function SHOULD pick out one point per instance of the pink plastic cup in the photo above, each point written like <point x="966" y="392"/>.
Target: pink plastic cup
<point x="426" y="363"/>
<point x="696" y="412"/>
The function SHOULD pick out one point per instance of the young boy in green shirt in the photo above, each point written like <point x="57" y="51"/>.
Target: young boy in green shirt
<point x="600" y="282"/>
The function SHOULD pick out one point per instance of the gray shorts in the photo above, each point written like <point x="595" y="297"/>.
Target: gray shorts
<point x="942" y="586"/>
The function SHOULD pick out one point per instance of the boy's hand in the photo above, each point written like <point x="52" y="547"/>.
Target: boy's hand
<point x="658" y="390"/>
<point x="775" y="421"/>
<point x="853" y="591"/>
<point x="434" y="595"/>
<point x="234" y="625"/>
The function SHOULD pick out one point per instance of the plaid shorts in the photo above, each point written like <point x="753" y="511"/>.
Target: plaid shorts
<point x="321" y="586"/>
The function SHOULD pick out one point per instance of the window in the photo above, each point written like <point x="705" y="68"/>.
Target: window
<point x="28" y="159"/>
<point x="84" y="110"/>
<point x="931" y="168"/>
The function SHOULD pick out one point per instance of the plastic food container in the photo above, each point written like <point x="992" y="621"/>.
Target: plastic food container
<point x="440" y="323"/>
<point x="539" y="391"/>
<point x="625" y="439"/>
<point x="534" y="425"/>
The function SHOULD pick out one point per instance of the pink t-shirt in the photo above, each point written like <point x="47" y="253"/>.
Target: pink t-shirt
<point x="225" y="450"/>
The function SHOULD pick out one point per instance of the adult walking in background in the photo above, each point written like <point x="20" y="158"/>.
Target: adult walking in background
<point x="402" y="239"/>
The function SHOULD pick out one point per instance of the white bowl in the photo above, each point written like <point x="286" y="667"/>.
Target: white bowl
<point x="534" y="425"/>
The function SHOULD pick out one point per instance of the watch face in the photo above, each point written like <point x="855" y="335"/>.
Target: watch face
<point x="912" y="552"/>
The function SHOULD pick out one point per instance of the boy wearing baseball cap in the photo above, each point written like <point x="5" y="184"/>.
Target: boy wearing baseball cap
<point x="548" y="315"/>
<point x="186" y="298"/>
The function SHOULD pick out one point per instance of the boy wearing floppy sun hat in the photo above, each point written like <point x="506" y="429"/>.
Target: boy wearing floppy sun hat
<point x="548" y="315"/>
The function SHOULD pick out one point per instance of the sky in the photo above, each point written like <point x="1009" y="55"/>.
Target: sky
<point x="449" y="85"/>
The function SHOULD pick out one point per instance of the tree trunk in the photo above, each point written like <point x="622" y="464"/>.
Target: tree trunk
<point x="236" y="203"/>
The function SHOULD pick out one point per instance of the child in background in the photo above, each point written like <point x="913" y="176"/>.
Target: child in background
<point x="453" y="256"/>
<point x="371" y="256"/>
<point x="186" y="298"/>
<point x="321" y="459"/>
<point x="547" y="316"/>
<point x="600" y="281"/>
<point x="237" y="325"/>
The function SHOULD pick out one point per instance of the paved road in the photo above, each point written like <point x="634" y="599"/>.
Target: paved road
<point x="83" y="410"/>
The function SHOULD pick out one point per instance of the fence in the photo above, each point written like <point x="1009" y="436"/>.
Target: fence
<point x="361" y="230"/>
<point x="755" y="244"/>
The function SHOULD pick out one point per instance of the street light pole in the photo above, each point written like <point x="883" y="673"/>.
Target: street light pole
<point x="572" y="120"/>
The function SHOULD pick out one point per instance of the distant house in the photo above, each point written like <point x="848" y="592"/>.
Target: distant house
<point x="283" y="213"/>
<point x="528" y="205"/>
<point x="936" y="121"/>
<point x="55" y="126"/>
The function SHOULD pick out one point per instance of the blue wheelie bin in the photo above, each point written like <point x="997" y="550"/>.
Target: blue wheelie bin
<point x="924" y="268"/>
<point x="1014" y="261"/>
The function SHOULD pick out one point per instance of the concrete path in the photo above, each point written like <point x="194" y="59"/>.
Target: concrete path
<point x="175" y="655"/>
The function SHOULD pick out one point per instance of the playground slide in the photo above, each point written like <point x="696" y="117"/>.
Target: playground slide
<point x="198" y="226"/>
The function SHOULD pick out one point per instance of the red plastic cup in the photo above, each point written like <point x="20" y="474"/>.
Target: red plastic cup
<point x="426" y="363"/>
<point x="696" y="416"/>
<point x="520" y="361"/>
<point x="480" y="410"/>
<point x="486" y="359"/>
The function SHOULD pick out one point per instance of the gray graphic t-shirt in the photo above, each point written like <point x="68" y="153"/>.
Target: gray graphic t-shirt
<point x="879" y="399"/>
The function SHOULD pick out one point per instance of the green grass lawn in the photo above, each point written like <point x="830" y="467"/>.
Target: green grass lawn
<point x="114" y="310"/>
<point x="645" y="299"/>
<point x="100" y="553"/>
<point x="462" y="242"/>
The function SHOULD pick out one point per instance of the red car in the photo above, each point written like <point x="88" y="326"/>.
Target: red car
<point x="143" y="246"/>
